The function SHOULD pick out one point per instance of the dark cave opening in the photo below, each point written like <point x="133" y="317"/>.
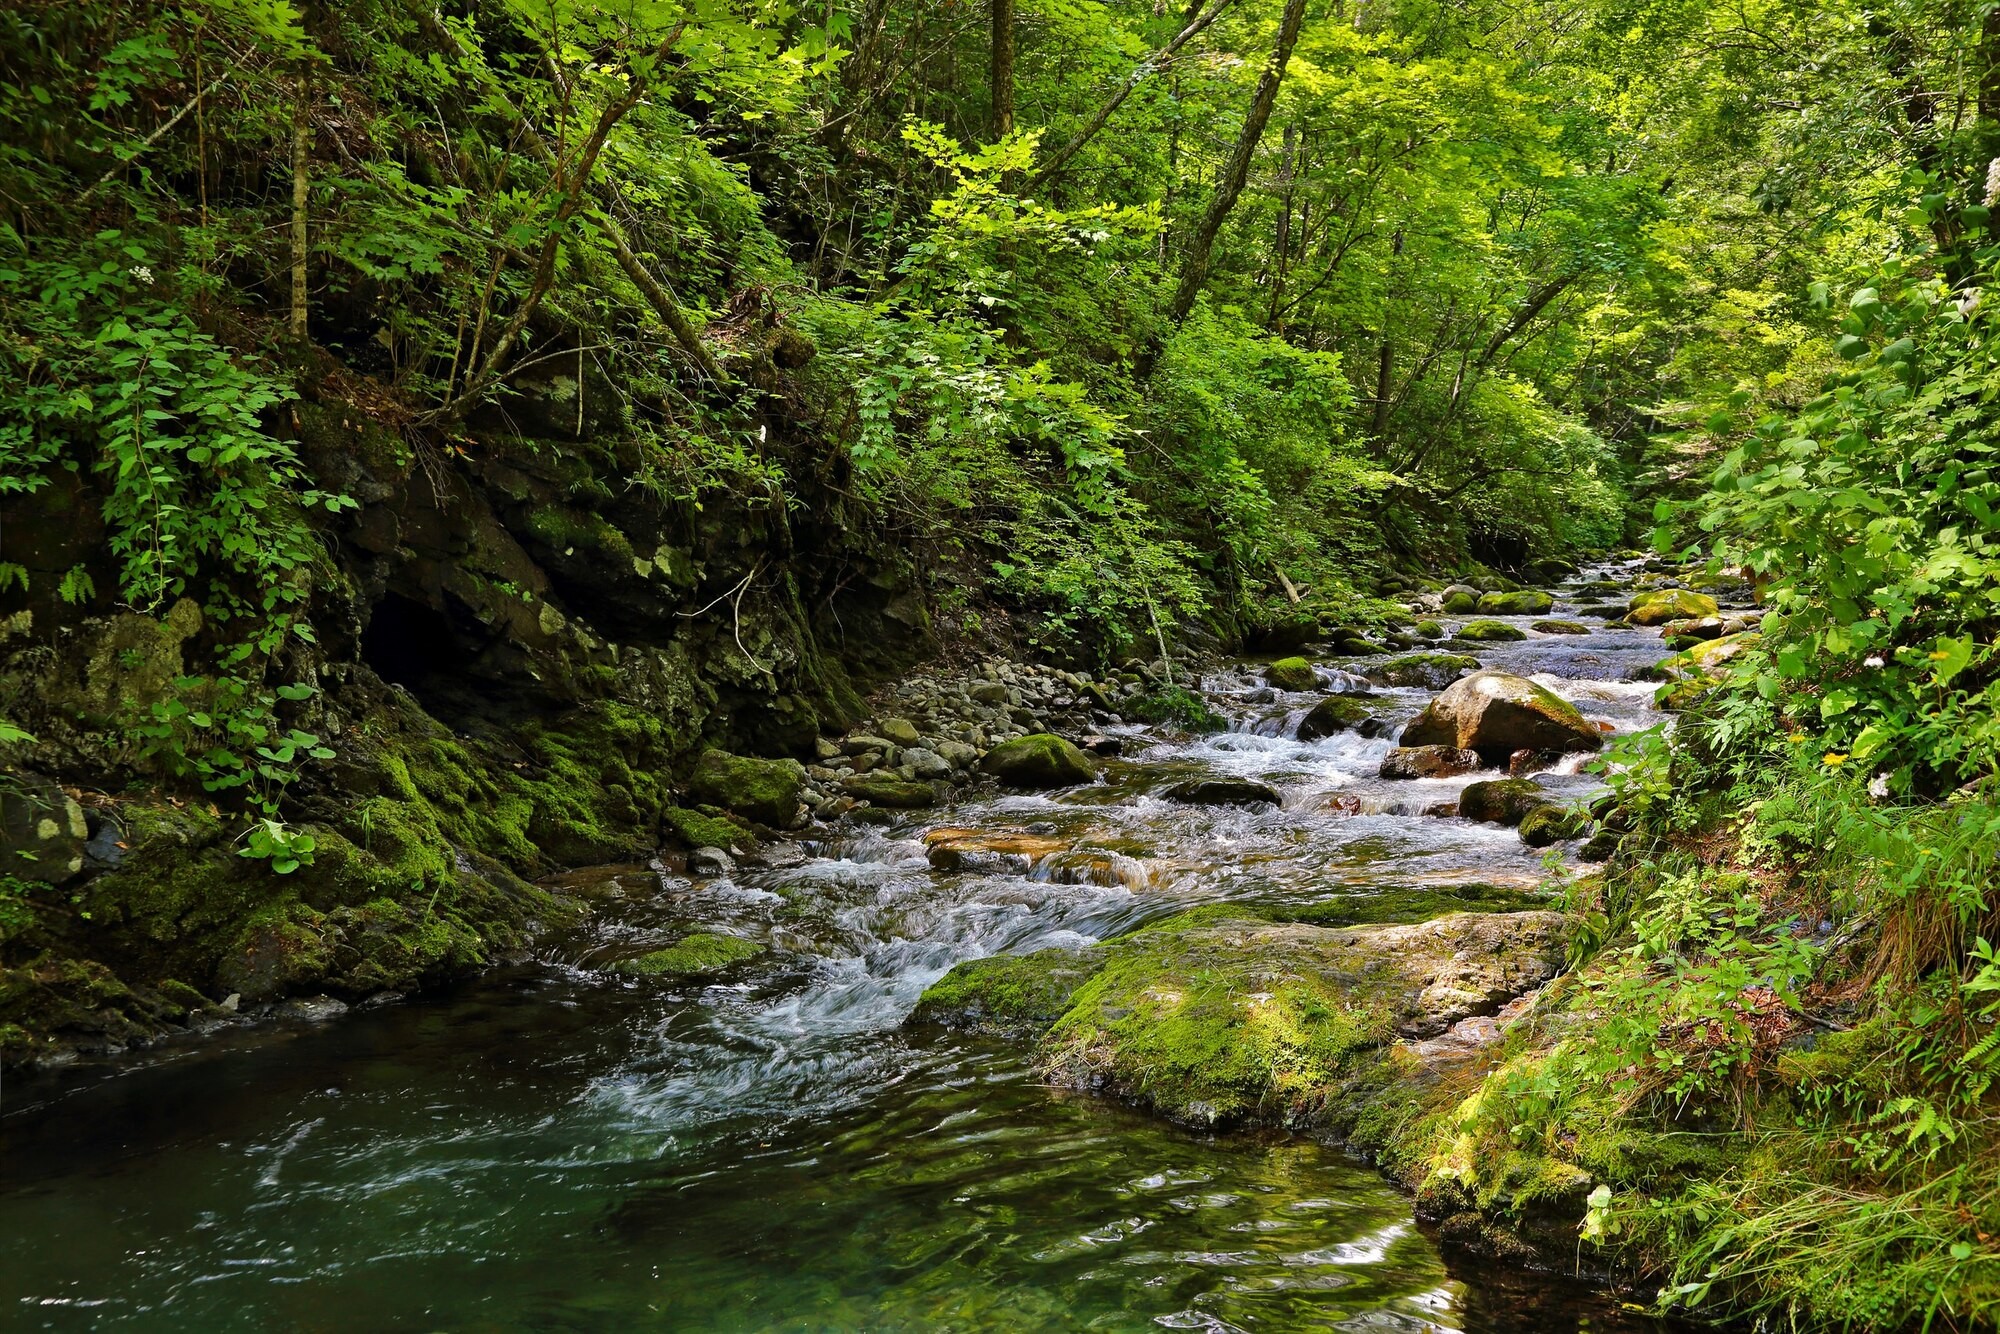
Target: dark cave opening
<point x="410" y="645"/>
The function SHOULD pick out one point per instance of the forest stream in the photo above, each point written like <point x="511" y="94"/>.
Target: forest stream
<point x="556" y="1147"/>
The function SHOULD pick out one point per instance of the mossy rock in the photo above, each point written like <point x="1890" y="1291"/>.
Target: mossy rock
<point x="1398" y="904"/>
<point x="1291" y="674"/>
<point x="766" y="791"/>
<point x="1216" y="1019"/>
<point x="1490" y="632"/>
<point x="884" y="790"/>
<point x="1660" y="605"/>
<point x="1546" y="825"/>
<point x="1526" y="602"/>
<point x="1429" y="629"/>
<point x="693" y="829"/>
<point x="1335" y="713"/>
<point x="1505" y="801"/>
<point x="1039" y="760"/>
<point x="1432" y="671"/>
<point x="1015" y="995"/>
<point x="1460" y="602"/>
<point x="697" y="955"/>
<point x="1498" y="713"/>
<point x="1560" y="628"/>
<point x="1224" y="792"/>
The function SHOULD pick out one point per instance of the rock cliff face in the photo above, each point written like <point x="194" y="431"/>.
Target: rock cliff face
<point x="521" y="650"/>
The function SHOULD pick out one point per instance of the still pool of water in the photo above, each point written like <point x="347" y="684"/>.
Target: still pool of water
<point x="557" y="1148"/>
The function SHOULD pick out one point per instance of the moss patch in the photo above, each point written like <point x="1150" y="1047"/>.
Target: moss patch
<point x="1012" y="994"/>
<point x="692" y="956"/>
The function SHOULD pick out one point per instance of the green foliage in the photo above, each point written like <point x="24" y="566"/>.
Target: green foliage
<point x="285" y="848"/>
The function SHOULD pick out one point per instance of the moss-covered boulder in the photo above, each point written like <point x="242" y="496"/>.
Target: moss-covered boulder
<point x="1429" y="629"/>
<point x="1506" y="801"/>
<point x="1039" y="760"/>
<point x="886" y="790"/>
<point x="1016" y="995"/>
<point x="697" y="955"/>
<point x="1335" y="713"/>
<point x="697" y="829"/>
<point x="1215" y="1019"/>
<point x="42" y="830"/>
<point x="1460" y="600"/>
<point x="1526" y="602"/>
<point x="1659" y="605"/>
<point x="1406" y="762"/>
<point x="1431" y="671"/>
<point x="1490" y="632"/>
<point x="1546" y="825"/>
<point x="1291" y="674"/>
<point x="766" y="791"/>
<point x="1560" y="628"/>
<point x="1706" y="658"/>
<point x="1498" y="713"/>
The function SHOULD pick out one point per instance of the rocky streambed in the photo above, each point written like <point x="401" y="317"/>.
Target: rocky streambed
<point x="844" y="1065"/>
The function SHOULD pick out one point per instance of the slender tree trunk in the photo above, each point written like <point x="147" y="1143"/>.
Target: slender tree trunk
<point x="301" y="152"/>
<point x="1281" y="244"/>
<point x="1385" y="364"/>
<point x="1002" y="72"/>
<point x="1201" y="246"/>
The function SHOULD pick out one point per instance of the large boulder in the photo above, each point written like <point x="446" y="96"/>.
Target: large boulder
<point x="1335" y="713"/>
<point x="1527" y="602"/>
<point x="1217" y="1018"/>
<point x="1498" y="713"/>
<point x="1039" y="760"/>
<point x="1428" y="762"/>
<point x="1459" y="600"/>
<point x="1659" y="605"/>
<point x="1432" y="671"/>
<point x="766" y="791"/>
<point x="1291" y="674"/>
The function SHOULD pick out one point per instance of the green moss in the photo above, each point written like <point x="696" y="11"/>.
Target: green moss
<point x="883" y="790"/>
<point x="1459" y="604"/>
<point x="1490" y="632"/>
<point x="766" y="791"/>
<point x="1418" y="904"/>
<point x="1039" y="760"/>
<point x="695" y="830"/>
<point x="1335" y="713"/>
<point x="1527" y="602"/>
<point x="692" y="956"/>
<point x="1429" y="629"/>
<point x="1660" y="605"/>
<point x="1182" y="708"/>
<point x="1013" y="994"/>
<point x="1560" y="628"/>
<point x="1432" y="671"/>
<point x="1291" y="674"/>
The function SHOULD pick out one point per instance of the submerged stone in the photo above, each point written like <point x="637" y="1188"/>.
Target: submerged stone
<point x="1223" y="792"/>
<point x="1560" y="628"/>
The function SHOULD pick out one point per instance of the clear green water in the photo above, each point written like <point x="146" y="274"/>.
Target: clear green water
<point x="556" y="1148"/>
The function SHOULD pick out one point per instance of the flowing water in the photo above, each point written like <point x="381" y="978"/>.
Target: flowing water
<point x="557" y="1148"/>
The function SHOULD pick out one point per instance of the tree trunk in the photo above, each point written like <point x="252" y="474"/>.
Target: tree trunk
<point x="1002" y="73"/>
<point x="1282" y="242"/>
<point x="1201" y="246"/>
<point x="301" y="152"/>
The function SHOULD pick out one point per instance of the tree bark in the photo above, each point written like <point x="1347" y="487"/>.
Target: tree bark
<point x="1281" y="244"/>
<point x="1201" y="246"/>
<point x="301" y="154"/>
<point x="1002" y="72"/>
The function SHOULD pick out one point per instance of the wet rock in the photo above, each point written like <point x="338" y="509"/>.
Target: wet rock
<point x="1706" y="658"/>
<point x="1335" y="713"/>
<point x="1490" y="632"/>
<point x="1291" y="674"/>
<point x="1040" y="760"/>
<point x="1504" y="801"/>
<point x="1102" y="745"/>
<point x="958" y="754"/>
<point x="1344" y="803"/>
<point x="1358" y="647"/>
<point x="1374" y="728"/>
<point x="1217" y="1020"/>
<point x="895" y="793"/>
<point x="925" y="763"/>
<point x="1459" y="600"/>
<point x="1429" y="629"/>
<point x="766" y="791"/>
<point x="699" y="955"/>
<point x="1009" y="995"/>
<point x="1600" y="846"/>
<point x="950" y="849"/>
<point x="1432" y="671"/>
<point x="310" y="1009"/>
<point x="1700" y="628"/>
<point x="1524" y="762"/>
<point x="1443" y="810"/>
<point x="43" y="834"/>
<point x="710" y="864"/>
<point x="1498" y="713"/>
<point x="1527" y="602"/>
<point x="1428" y="762"/>
<point x="107" y="848"/>
<point x="1560" y="628"/>
<point x="1224" y="792"/>
<point x="1546" y="825"/>
<point x="1660" y="605"/>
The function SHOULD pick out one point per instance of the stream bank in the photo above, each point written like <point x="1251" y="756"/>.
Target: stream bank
<point x="759" y="1137"/>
